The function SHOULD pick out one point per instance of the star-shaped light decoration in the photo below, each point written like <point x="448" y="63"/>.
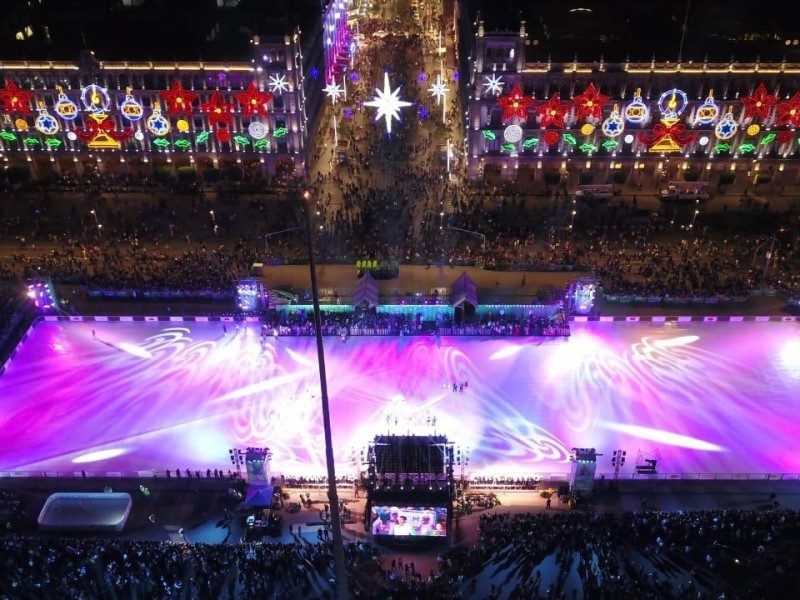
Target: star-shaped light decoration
<point x="438" y="90"/>
<point x="553" y="112"/>
<point x="177" y="99"/>
<point x="493" y="84"/>
<point x="515" y="104"/>
<point x="218" y="110"/>
<point x="15" y="100"/>
<point x="253" y="101"/>
<point x="789" y="112"/>
<point x="333" y="90"/>
<point x="590" y="103"/>
<point x="759" y="104"/>
<point x="388" y="103"/>
<point x="278" y="84"/>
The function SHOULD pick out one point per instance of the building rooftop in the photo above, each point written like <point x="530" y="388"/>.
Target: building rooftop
<point x="152" y="30"/>
<point x="639" y="30"/>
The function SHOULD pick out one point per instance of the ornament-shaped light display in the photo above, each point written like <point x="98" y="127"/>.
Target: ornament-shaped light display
<point x="388" y="103"/>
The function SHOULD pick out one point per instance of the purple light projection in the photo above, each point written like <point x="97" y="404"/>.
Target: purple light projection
<point x="708" y="397"/>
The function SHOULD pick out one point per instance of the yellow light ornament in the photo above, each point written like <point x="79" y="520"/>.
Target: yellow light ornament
<point x="21" y="124"/>
<point x="753" y="129"/>
<point x="587" y="129"/>
<point x="182" y="125"/>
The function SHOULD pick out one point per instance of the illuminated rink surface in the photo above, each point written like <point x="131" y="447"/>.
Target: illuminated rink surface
<point x="710" y="398"/>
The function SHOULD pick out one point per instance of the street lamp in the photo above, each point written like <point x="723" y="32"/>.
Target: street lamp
<point x="214" y="221"/>
<point x="97" y="222"/>
<point x="274" y="233"/>
<point x="483" y="237"/>
<point x="333" y="498"/>
<point x="333" y="91"/>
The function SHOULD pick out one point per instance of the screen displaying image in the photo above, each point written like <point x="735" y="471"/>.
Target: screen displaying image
<point x="425" y="521"/>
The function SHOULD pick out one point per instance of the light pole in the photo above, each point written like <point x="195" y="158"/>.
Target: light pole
<point x="769" y="254"/>
<point x="339" y="566"/>
<point x="214" y="221"/>
<point x="274" y="233"/>
<point x="97" y="222"/>
<point x="333" y="91"/>
<point x="483" y="237"/>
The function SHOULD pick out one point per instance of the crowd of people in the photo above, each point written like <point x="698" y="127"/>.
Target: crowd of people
<point x="648" y="554"/>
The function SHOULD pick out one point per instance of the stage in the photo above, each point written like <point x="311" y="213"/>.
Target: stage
<point x="136" y="396"/>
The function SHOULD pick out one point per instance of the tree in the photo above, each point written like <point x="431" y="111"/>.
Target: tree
<point x="211" y="175"/>
<point x="691" y="175"/>
<point x="234" y="174"/>
<point x="187" y="175"/>
<point x="552" y="178"/>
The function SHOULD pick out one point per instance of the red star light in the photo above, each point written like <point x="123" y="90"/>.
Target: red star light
<point x="759" y="104"/>
<point x="590" y="103"/>
<point x="253" y="102"/>
<point x="515" y="104"/>
<point x="177" y="99"/>
<point x="789" y="111"/>
<point x="15" y="99"/>
<point x="553" y="112"/>
<point x="218" y="110"/>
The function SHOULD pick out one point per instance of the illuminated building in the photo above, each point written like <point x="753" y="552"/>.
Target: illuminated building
<point x="586" y="89"/>
<point x="211" y="85"/>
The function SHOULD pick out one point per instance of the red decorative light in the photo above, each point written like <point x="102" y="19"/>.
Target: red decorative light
<point x="515" y="104"/>
<point x="785" y="137"/>
<point x="789" y="112"/>
<point x="550" y="137"/>
<point x="218" y="110"/>
<point x="676" y="131"/>
<point x="177" y="99"/>
<point x="223" y="135"/>
<point x="253" y="101"/>
<point x="590" y="103"/>
<point x="553" y="112"/>
<point x="15" y="99"/>
<point x="759" y="104"/>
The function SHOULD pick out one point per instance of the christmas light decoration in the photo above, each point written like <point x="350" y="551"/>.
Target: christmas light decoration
<point x="95" y="98"/>
<point x="223" y="135"/>
<point x="587" y="129"/>
<point x="768" y="139"/>
<point x="156" y="123"/>
<point x="587" y="147"/>
<point x="553" y="112"/>
<point x="253" y="101"/>
<point x="610" y="144"/>
<point x="703" y="141"/>
<point x="438" y="89"/>
<point x="422" y="112"/>
<point x="314" y="73"/>
<point x="183" y="144"/>
<point x="489" y="135"/>
<point x="241" y="140"/>
<point x="178" y="100"/>
<point x="590" y="103"/>
<point x="280" y="132"/>
<point x="550" y="138"/>
<point x="202" y="137"/>
<point x="130" y="108"/>
<point x="747" y="147"/>
<point x="722" y="147"/>
<point x="759" y="104"/>
<point x="422" y="77"/>
<point x="46" y="123"/>
<point x="257" y="130"/>
<point x="161" y="143"/>
<point x="102" y="134"/>
<point x="31" y="141"/>
<point x="515" y="104"/>
<point x="726" y="128"/>
<point x="138" y="136"/>
<point x="508" y="147"/>
<point x="667" y="136"/>
<point x="388" y="103"/>
<point x="8" y="136"/>
<point x="53" y="143"/>
<point x="530" y="142"/>
<point x="278" y="84"/>
<point x="636" y="112"/>
<point x="628" y="139"/>
<point x="570" y="139"/>
<point x="182" y="125"/>
<point x="512" y="133"/>
<point x="784" y="137"/>
<point x="493" y="84"/>
<point x="614" y="125"/>
<point x="788" y="113"/>
<point x="218" y="110"/>
<point x="333" y="90"/>
<point x="708" y="112"/>
<point x="21" y="124"/>
<point x="64" y="107"/>
<point x="672" y="103"/>
<point x="261" y="143"/>
<point x="14" y="99"/>
<point x="753" y="129"/>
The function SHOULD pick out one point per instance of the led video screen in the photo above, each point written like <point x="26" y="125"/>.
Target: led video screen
<point x="408" y="521"/>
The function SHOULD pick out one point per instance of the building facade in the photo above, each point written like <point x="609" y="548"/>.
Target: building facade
<point x="523" y="113"/>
